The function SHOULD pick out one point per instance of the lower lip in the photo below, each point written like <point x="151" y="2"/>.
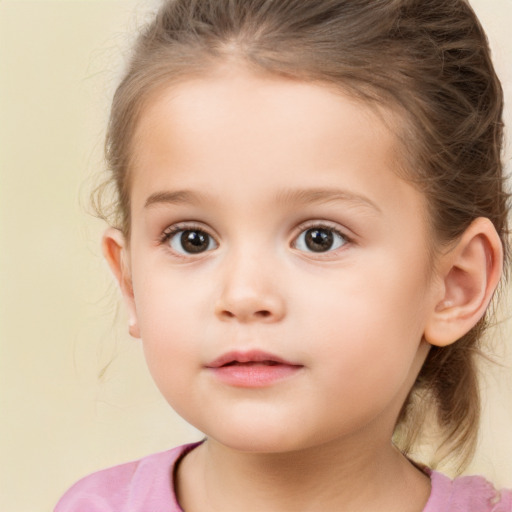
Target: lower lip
<point x="254" y="375"/>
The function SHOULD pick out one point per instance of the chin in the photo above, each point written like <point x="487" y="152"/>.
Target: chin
<point x="264" y="439"/>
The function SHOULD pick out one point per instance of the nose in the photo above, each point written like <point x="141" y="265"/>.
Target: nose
<point x="250" y="293"/>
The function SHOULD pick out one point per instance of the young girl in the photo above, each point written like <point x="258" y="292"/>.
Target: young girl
<point x="311" y="226"/>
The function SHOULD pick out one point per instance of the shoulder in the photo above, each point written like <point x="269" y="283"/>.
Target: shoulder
<point x="466" y="494"/>
<point x="145" y="484"/>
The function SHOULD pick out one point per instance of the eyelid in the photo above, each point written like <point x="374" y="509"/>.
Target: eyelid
<point x="178" y="227"/>
<point x="323" y="224"/>
<point x="182" y="226"/>
<point x="175" y="228"/>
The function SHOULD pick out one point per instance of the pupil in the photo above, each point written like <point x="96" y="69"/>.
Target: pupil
<point x="194" y="241"/>
<point x="319" y="240"/>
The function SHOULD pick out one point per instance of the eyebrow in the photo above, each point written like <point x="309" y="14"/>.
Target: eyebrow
<point x="287" y="196"/>
<point x="176" y="197"/>
<point x="325" y="195"/>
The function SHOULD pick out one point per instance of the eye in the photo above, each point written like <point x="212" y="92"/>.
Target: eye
<point x="319" y="239"/>
<point x="190" y="241"/>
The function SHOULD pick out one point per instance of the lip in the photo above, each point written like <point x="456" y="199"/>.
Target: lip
<point x="252" y="369"/>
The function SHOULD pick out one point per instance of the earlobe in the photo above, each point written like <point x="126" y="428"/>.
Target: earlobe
<point x="115" y="252"/>
<point x="470" y="273"/>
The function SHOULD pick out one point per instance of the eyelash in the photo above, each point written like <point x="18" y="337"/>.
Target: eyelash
<point x="173" y="230"/>
<point x="176" y="228"/>
<point x="319" y="225"/>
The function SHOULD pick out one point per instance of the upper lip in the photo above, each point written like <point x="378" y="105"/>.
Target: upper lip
<point x="251" y="356"/>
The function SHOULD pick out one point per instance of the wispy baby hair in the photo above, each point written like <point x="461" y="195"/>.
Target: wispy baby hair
<point x="428" y="63"/>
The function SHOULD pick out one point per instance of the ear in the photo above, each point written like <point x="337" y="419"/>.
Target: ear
<point x="469" y="274"/>
<point x="116" y="253"/>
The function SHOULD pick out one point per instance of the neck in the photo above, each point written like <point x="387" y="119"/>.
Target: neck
<point x="334" y="476"/>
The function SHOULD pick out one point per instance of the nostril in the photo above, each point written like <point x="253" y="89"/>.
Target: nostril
<point x="257" y="314"/>
<point x="249" y="308"/>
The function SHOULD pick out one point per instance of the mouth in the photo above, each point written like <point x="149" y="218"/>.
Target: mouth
<point x="251" y="358"/>
<point x="253" y="369"/>
<point x="251" y="363"/>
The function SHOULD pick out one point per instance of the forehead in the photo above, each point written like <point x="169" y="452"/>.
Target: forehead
<point x="234" y="84"/>
<point x="262" y="133"/>
<point x="254" y="107"/>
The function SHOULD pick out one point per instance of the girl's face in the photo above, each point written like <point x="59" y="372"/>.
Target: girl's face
<point x="280" y="269"/>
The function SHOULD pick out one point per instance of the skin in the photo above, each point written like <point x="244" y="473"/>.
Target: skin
<point x="254" y="162"/>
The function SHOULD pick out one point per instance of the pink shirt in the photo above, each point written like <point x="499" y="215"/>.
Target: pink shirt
<point x="146" y="486"/>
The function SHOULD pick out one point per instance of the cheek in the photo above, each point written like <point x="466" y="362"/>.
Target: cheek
<point x="165" y="298"/>
<point x="370" y="321"/>
<point x="167" y="316"/>
<point x="169" y="341"/>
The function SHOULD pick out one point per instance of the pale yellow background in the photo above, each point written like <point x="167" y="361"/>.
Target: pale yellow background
<point x="61" y="416"/>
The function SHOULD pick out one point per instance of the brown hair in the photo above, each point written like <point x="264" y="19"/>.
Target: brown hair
<point x="427" y="61"/>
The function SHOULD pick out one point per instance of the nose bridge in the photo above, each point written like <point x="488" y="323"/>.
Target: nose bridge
<point x="250" y="288"/>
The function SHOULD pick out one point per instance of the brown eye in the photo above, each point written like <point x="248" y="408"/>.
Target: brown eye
<point x="319" y="239"/>
<point x="191" y="241"/>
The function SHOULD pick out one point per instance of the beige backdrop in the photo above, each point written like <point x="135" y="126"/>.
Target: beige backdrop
<point x="61" y="414"/>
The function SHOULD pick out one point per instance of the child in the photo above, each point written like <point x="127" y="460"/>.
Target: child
<point x="311" y="226"/>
